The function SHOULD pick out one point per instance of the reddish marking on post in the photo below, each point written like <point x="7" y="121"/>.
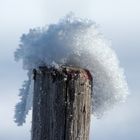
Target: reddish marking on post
<point x="88" y="75"/>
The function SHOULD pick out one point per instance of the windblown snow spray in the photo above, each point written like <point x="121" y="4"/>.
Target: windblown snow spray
<point x="75" y="42"/>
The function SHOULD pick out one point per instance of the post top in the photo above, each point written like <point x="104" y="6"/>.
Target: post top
<point x="66" y="71"/>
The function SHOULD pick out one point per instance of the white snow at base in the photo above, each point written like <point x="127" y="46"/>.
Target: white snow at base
<point x="77" y="42"/>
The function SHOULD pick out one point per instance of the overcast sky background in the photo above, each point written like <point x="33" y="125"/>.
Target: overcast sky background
<point x="119" y="21"/>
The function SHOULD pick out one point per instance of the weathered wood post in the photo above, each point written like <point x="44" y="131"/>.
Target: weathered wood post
<point x="61" y="104"/>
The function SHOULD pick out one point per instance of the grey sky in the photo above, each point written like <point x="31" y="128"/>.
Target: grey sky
<point x="119" y="21"/>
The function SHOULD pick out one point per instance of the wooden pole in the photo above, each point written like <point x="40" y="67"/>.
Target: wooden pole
<point x="61" y="104"/>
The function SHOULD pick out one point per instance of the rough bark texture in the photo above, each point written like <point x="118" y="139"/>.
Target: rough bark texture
<point x="61" y="104"/>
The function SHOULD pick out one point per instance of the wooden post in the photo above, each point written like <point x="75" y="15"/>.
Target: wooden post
<point x="61" y="104"/>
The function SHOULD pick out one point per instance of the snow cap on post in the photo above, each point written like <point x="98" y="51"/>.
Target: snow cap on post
<point x="76" y="42"/>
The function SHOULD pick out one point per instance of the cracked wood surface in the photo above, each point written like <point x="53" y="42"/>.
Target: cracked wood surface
<point x="61" y="104"/>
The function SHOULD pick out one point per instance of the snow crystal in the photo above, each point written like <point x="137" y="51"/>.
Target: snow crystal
<point x="77" y="42"/>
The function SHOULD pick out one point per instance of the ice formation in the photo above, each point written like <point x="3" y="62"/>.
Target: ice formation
<point x="77" y="42"/>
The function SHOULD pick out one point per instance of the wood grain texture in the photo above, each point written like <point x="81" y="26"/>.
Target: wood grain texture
<point x="61" y="104"/>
